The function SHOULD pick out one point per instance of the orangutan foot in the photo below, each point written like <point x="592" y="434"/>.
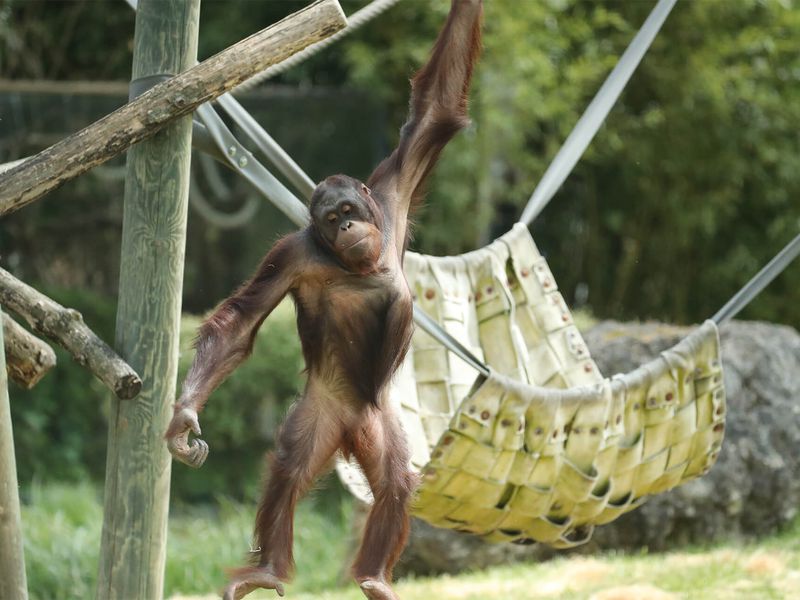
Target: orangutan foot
<point x="375" y="589"/>
<point x="245" y="581"/>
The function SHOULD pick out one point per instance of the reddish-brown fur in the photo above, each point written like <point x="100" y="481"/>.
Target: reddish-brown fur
<point x="344" y="273"/>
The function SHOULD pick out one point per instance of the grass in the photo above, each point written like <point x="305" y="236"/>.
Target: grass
<point x="62" y="526"/>
<point x="62" y="533"/>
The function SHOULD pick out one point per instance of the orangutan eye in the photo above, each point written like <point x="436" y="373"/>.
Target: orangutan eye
<point x="346" y="209"/>
<point x="331" y="217"/>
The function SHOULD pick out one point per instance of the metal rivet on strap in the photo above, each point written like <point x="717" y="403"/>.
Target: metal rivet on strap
<point x="429" y="294"/>
<point x="485" y="415"/>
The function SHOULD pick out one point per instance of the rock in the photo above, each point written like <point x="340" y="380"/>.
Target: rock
<point x="752" y="490"/>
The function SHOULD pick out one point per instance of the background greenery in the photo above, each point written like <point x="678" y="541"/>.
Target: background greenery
<point x="690" y="186"/>
<point x="62" y="532"/>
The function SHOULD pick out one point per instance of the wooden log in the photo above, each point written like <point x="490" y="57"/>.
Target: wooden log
<point x="27" y="357"/>
<point x="13" y="585"/>
<point x="136" y="500"/>
<point x="180" y="95"/>
<point x="65" y="327"/>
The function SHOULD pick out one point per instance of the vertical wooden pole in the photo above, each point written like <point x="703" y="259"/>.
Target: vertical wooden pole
<point x="12" y="562"/>
<point x="133" y="547"/>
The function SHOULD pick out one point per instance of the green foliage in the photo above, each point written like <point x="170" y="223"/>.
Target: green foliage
<point x="62" y="526"/>
<point x="60" y="426"/>
<point x="40" y="39"/>
<point x="690" y="186"/>
<point x="61" y="530"/>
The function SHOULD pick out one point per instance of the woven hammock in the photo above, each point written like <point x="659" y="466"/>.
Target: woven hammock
<point x="545" y="447"/>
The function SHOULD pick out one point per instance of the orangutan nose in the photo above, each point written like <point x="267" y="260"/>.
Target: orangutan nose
<point x="346" y="225"/>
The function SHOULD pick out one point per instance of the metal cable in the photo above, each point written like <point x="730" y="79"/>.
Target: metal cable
<point x="437" y="332"/>
<point x="761" y="280"/>
<point x="354" y="21"/>
<point x="594" y="115"/>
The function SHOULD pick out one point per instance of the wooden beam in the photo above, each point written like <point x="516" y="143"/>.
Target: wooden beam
<point x="27" y="357"/>
<point x="133" y="548"/>
<point x="65" y="326"/>
<point x="180" y="95"/>
<point x="13" y="585"/>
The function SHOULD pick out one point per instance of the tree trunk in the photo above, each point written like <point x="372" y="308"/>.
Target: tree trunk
<point x="133" y="546"/>
<point x="12" y="562"/>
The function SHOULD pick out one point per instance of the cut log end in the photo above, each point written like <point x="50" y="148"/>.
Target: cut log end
<point x="128" y="386"/>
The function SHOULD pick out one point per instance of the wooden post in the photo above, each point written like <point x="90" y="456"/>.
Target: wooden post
<point x="12" y="562"/>
<point x="141" y="118"/>
<point x="134" y="539"/>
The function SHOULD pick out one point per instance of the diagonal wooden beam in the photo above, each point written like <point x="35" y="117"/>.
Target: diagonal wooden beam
<point x="178" y="96"/>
